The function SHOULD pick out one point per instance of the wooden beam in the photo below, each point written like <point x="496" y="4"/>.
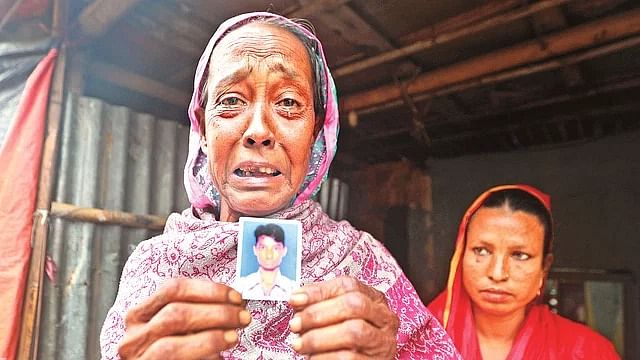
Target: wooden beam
<point x="519" y="72"/>
<point x="456" y="22"/>
<point x="631" y="112"/>
<point x="7" y="16"/>
<point x="549" y="21"/>
<point x="315" y="7"/>
<point x="524" y="123"/>
<point x="442" y="38"/>
<point x="169" y="15"/>
<point x="628" y="84"/>
<point x="164" y="34"/>
<point x="602" y="89"/>
<point x="106" y="217"/>
<point x="100" y="15"/>
<point x="29" y="331"/>
<point x="580" y="37"/>
<point x="139" y="83"/>
<point x="353" y="29"/>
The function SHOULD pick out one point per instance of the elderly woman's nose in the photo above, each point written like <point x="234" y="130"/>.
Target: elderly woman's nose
<point x="258" y="132"/>
<point x="499" y="268"/>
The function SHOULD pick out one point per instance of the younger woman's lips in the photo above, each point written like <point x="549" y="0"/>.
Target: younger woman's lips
<point x="495" y="295"/>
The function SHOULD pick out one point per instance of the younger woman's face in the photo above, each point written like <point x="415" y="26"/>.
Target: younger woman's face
<point x="259" y="119"/>
<point x="502" y="266"/>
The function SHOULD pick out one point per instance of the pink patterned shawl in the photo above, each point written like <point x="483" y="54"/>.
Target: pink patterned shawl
<point x="206" y="249"/>
<point x="200" y="247"/>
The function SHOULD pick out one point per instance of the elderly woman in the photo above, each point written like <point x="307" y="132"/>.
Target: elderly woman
<point x="491" y="304"/>
<point x="264" y="123"/>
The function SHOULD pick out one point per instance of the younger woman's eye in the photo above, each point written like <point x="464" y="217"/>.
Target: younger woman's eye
<point x="519" y="255"/>
<point x="481" y="251"/>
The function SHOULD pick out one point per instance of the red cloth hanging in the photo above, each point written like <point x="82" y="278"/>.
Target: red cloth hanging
<point x="20" y="156"/>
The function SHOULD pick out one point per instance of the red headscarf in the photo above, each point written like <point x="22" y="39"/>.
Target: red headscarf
<point x="544" y="335"/>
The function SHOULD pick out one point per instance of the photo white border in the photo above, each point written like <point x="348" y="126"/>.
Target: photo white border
<point x="262" y="221"/>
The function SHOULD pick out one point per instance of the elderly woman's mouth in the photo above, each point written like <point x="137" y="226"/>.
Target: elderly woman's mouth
<point x="260" y="171"/>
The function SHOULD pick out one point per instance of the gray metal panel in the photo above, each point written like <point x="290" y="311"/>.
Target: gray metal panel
<point x="111" y="158"/>
<point x="180" y="195"/>
<point x="323" y="196"/>
<point x="343" y="207"/>
<point x="334" y="197"/>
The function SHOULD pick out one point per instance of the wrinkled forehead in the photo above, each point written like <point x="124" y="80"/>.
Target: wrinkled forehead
<point x="259" y="36"/>
<point x="261" y="43"/>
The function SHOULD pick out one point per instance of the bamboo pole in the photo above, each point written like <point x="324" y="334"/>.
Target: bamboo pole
<point x="106" y="217"/>
<point x="445" y="37"/>
<point x="28" y="346"/>
<point x="594" y="33"/>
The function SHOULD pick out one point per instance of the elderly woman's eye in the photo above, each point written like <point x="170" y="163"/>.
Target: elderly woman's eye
<point x="519" y="255"/>
<point x="482" y="251"/>
<point x="288" y="102"/>
<point x="231" y="101"/>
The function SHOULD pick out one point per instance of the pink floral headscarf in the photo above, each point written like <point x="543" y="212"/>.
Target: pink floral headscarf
<point x="197" y="180"/>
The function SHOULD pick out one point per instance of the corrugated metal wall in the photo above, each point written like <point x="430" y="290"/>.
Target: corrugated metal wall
<point x="334" y="198"/>
<point x="110" y="158"/>
<point x="116" y="159"/>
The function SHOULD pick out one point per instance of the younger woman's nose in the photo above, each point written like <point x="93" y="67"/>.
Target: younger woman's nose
<point x="499" y="268"/>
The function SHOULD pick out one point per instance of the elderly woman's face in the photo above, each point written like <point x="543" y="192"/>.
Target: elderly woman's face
<point x="502" y="267"/>
<point x="259" y="119"/>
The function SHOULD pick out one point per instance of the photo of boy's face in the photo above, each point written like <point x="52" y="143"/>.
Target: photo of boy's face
<point x="266" y="269"/>
<point x="269" y="252"/>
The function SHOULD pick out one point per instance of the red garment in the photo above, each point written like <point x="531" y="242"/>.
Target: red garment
<point x="544" y="335"/>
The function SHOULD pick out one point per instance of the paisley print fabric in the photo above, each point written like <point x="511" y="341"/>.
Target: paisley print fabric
<point x="206" y="249"/>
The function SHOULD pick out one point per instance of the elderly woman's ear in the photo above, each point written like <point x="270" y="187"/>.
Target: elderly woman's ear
<point x="203" y="129"/>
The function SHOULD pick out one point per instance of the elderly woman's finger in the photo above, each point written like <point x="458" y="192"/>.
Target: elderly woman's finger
<point x="320" y="291"/>
<point x="356" y="336"/>
<point x="179" y="318"/>
<point x="184" y="318"/>
<point x="183" y="290"/>
<point x="352" y="305"/>
<point x="207" y="344"/>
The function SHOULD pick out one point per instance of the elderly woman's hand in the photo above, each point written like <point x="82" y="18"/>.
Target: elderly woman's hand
<point x="185" y="319"/>
<point x="343" y="319"/>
